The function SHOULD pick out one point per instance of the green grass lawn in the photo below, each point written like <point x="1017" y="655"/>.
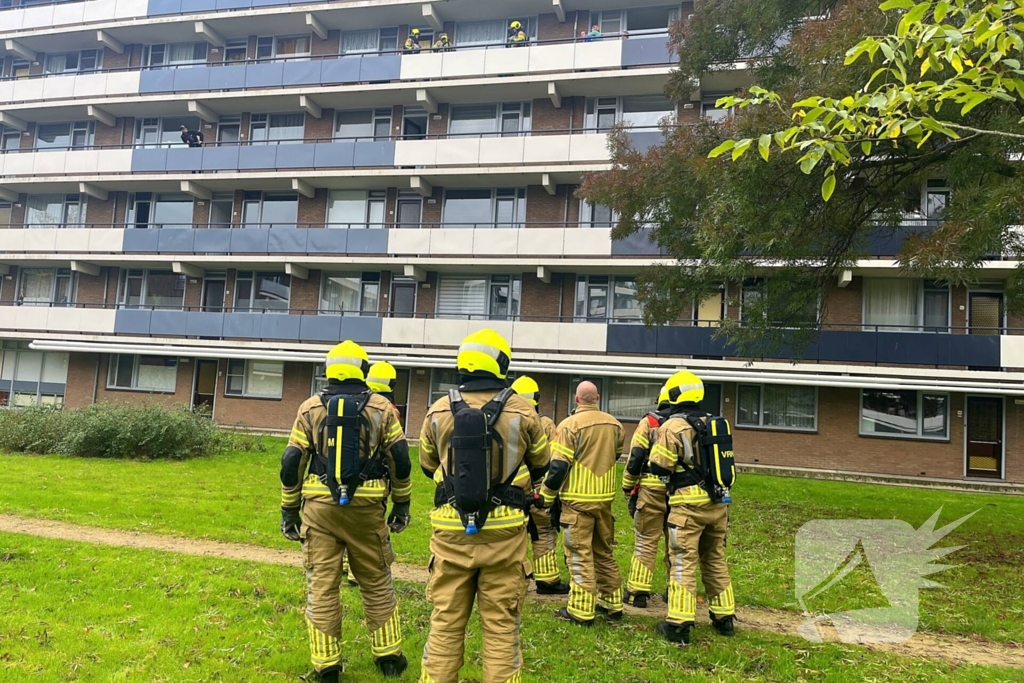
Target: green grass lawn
<point x="235" y="497"/>
<point x="79" y="612"/>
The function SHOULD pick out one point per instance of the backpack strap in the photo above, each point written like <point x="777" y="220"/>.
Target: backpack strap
<point x="353" y="420"/>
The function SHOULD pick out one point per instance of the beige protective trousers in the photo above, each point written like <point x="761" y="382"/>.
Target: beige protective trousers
<point x="649" y="527"/>
<point x="697" y="535"/>
<point x="545" y="565"/>
<point x="588" y="534"/>
<point x="492" y="574"/>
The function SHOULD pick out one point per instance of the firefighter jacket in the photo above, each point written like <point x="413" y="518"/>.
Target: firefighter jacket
<point x="526" y="452"/>
<point x="637" y="468"/>
<point x="587" y="444"/>
<point x="384" y="437"/>
<point x="674" y="448"/>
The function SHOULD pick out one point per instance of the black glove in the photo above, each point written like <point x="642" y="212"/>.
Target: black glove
<point x="556" y="515"/>
<point x="632" y="504"/>
<point x="628" y="491"/>
<point x="399" y="517"/>
<point x="291" y="522"/>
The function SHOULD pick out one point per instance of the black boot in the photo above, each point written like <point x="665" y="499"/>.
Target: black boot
<point x="676" y="633"/>
<point x="557" y="587"/>
<point x="392" y="666"/>
<point x="564" y="615"/>
<point x="614" y="616"/>
<point x="636" y="599"/>
<point x="330" y="676"/>
<point x="724" y="625"/>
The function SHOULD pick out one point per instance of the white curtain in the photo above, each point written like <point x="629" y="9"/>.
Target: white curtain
<point x="264" y="378"/>
<point x="287" y="127"/>
<point x="461" y="296"/>
<point x="56" y="64"/>
<point x="30" y="366"/>
<point x="55" y="368"/>
<point x="156" y="374"/>
<point x="44" y="210"/>
<point x="340" y="294"/>
<point x="36" y="285"/>
<point x="891" y="302"/>
<point x="480" y="33"/>
<point x="473" y="118"/>
<point x="359" y="41"/>
<point x="630" y="398"/>
<point x="789" y="406"/>
<point x="180" y="53"/>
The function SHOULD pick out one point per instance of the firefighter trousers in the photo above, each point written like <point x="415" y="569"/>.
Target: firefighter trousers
<point x="649" y="526"/>
<point x="492" y="574"/>
<point x="697" y="536"/>
<point x="545" y="565"/>
<point x="588" y="534"/>
<point x="328" y="532"/>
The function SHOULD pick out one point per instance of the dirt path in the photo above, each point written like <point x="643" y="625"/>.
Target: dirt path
<point x="930" y="646"/>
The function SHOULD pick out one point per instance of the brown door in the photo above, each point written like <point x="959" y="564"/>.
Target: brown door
<point x="985" y="314"/>
<point x="403" y="298"/>
<point x="401" y="395"/>
<point x="205" y="385"/>
<point x="984" y="436"/>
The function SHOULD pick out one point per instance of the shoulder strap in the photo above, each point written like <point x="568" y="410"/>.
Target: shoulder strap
<point x="492" y="409"/>
<point x="455" y="401"/>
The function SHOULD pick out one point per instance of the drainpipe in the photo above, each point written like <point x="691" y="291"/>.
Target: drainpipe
<point x="96" y="378"/>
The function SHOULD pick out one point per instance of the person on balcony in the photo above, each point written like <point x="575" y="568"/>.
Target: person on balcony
<point x="412" y="43"/>
<point x="192" y="138"/>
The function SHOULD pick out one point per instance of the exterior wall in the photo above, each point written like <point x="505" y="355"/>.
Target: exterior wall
<point x="181" y="394"/>
<point x="264" y="413"/>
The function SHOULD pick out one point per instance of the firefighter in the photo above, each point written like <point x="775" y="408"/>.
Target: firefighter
<point x="543" y="526"/>
<point x="480" y="556"/>
<point x="381" y="380"/>
<point x="332" y="523"/>
<point x="583" y="455"/>
<point x="697" y="526"/>
<point x="513" y="30"/>
<point x="442" y="44"/>
<point x="648" y="504"/>
<point x="412" y="43"/>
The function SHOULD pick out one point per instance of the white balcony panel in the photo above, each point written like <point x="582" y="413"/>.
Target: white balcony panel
<point x="415" y="152"/>
<point x="409" y="241"/>
<point x="550" y="57"/>
<point x="546" y="149"/>
<point x="114" y="161"/>
<point x="426" y="65"/>
<point x="3" y="161"/>
<point x="38" y="17"/>
<point x="109" y="240"/>
<point x="1011" y="351"/>
<point x="12" y="239"/>
<point x="403" y="331"/>
<point x="41" y="239"/>
<point x="31" y="317"/>
<point x="588" y="242"/>
<point x="495" y="241"/>
<point x="127" y="9"/>
<point x="458" y="152"/>
<point x="70" y="13"/>
<point x="541" y="241"/>
<point x="502" y="327"/>
<point x="511" y="61"/>
<point x="101" y="10"/>
<point x="91" y="320"/>
<point x="48" y="163"/>
<point x="82" y="161"/>
<point x="7" y="91"/>
<point x="451" y="241"/>
<point x="532" y="335"/>
<point x="73" y="240"/>
<point x="91" y="85"/>
<point x="8" y="317"/>
<point x="447" y="332"/>
<point x="28" y="90"/>
<point x="462" y="64"/>
<point x="583" y="337"/>
<point x="589" y="147"/>
<point x="501" y="150"/>
<point x="602" y="54"/>
<point x="60" y="87"/>
<point x="122" y="83"/>
<point x="14" y="19"/>
<point x="18" y="164"/>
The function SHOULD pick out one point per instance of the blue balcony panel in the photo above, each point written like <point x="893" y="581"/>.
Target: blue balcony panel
<point x="156" y="80"/>
<point x="295" y="156"/>
<point x="630" y="339"/>
<point x="141" y="240"/>
<point x="220" y="158"/>
<point x="227" y="77"/>
<point x="850" y="346"/>
<point x="287" y="241"/>
<point x="637" y="244"/>
<point x="320" y="328"/>
<point x="645" y="51"/>
<point x="334" y="155"/>
<point x="370" y="241"/>
<point x="184" y="159"/>
<point x="176" y="240"/>
<point x="192" y="78"/>
<point x="343" y="70"/>
<point x="131" y="321"/>
<point x="361" y="329"/>
<point x="242" y="325"/>
<point x="302" y="73"/>
<point x="328" y="240"/>
<point x="280" y="326"/>
<point x="212" y="241"/>
<point x="978" y="350"/>
<point x="195" y="6"/>
<point x="167" y="323"/>
<point x="160" y="7"/>
<point x="643" y="140"/>
<point x="264" y="75"/>
<point x="374" y="154"/>
<point x="149" y="160"/>
<point x="233" y="4"/>
<point x="204" y="324"/>
<point x="257" y="157"/>
<point x="380" y="68"/>
<point x="250" y="241"/>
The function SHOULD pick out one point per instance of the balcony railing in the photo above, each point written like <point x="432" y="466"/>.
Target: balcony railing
<point x="425" y="225"/>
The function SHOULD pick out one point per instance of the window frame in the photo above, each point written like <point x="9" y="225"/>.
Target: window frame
<point x="247" y="364"/>
<point x="253" y="276"/>
<point x="760" y="408"/>
<point x="68" y="200"/>
<point x="164" y="49"/>
<point x="143" y="274"/>
<point x="131" y="217"/>
<point x="587" y="216"/>
<point x="80" y="55"/>
<point x="367" y="281"/>
<point x="583" y="286"/>
<point x="923" y="288"/>
<point x="88" y="128"/>
<point x="491" y="281"/>
<point x="754" y="284"/>
<point x="57" y="274"/>
<point x="12" y="352"/>
<point x="517" y="195"/>
<point x="275" y="47"/>
<point x="592" y="121"/>
<point x="379" y="117"/>
<point x="522" y="110"/>
<point x="435" y="374"/>
<point x="920" y="435"/>
<point x="113" y="367"/>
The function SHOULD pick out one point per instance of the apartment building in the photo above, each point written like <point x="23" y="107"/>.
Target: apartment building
<point x="350" y="188"/>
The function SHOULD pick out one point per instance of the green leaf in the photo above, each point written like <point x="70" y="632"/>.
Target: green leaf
<point x="828" y="187"/>
<point x="866" y="148"/>
<point x="721" y="149"/>
<point x="896" y="4"/>
<point x="917" y="14"/>
<point x="741" y="147"/>
<point x="940" y="11"/>
<point x="764" y="145"/>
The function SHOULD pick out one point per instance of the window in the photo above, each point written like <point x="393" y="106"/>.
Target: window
<point x="160" y="289"/>
<point x="908" y="414"/>
<point x="10" y="139"/>
<point x="29" y="378"/>
<point x="255" y="378"/>
<point x="143" y="373"/>
<point x="712" y="402"/>
<point x="72" y="62"/>
<point x="409" y="210"/>
<point x="159" y="210"/>
<point x="221" y="208"/>
<point x="597" y="216"/>
<point x="46" y="287"/>
<point x="710" y="110"/>
<point x="356" y="208"/>
<point x="370" y="40"/>
<point x="595" y="293"/>
<point x="501" y="208"/>
<point x="750" y="302"/>
<point x="319" y="378"/>
<point x="777" y="406"/>
<point x="270" y="209"/>
<point x="506" y="119"/>
<point x="903" y="305"/>
<point x="20" y="68"/>
<point x="638" y="20"/>
<point x="174" y="54"/>
<point x="163" y="132"/>
<point x="631" y="399"/>
<point x="369" y="124"/>
<point x="936" y="199"/>
<point x="54" y="210"/>
<point x="478" y="297"/>
<point x="65" y="136"/>
<point x="277" y="128"/>
<point x="283" y="48"/>
<point x="269" y="292"/>
<point x="229" y="129"/>
<point x="350" y="293"/>
<point x="6" y="209"/>
<point x="236" y="51"/>
<point x="637" y="111"/>
<point x="441" y="381"/>
<point x="493" y="32"/>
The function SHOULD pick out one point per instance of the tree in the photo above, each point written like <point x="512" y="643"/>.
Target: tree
<point x="836" y="169"/>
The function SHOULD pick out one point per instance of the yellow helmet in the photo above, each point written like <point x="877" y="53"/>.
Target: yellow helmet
<point x="527" y="388"/>
<point x="415" y="31"/>
<point x="663" y="396"/>
<point x="485" y="351"/>
<point x="516" y="25"/>
<point x="382" y="377"/>
<point x="347" y="360"/>
<point x="684" y="387"/>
